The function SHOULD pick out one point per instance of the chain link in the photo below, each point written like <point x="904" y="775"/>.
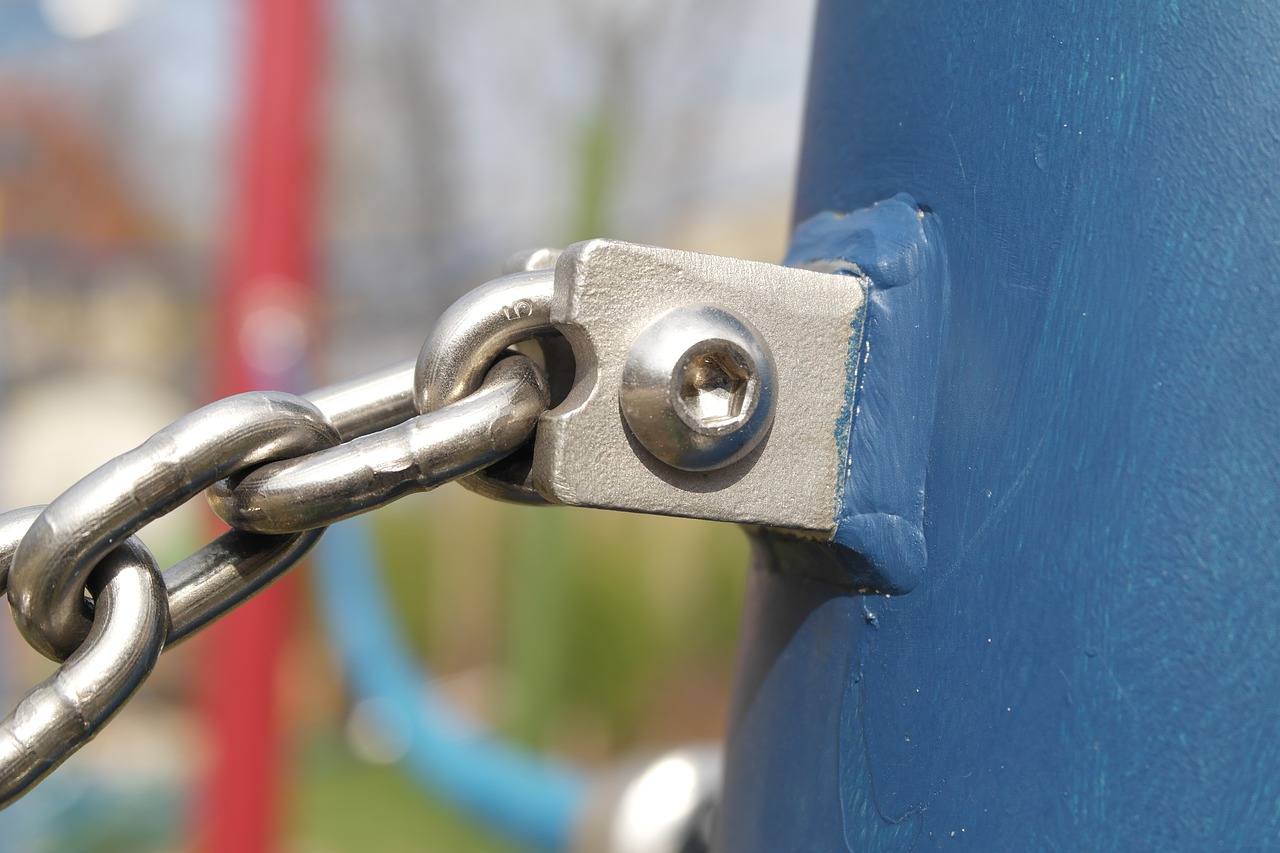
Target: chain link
<point x="80" y="526"/>
<point x="369" y="471"/>
<point x="128" y="628"/>
<point x="278" y="468"/>
<point x="469" y="336"/>
<point x="226" y="573"/>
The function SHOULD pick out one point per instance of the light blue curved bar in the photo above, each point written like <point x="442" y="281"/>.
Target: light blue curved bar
<point x="530" y="799"/>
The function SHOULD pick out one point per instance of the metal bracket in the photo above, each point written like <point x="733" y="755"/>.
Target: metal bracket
<point x="705" y="387"/>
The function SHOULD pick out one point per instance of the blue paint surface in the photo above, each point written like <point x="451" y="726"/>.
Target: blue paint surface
<point x="894" y="373"/>
<point x="1090" y="659"/>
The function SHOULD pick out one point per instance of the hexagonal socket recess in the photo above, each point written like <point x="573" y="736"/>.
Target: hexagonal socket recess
<point x="698" y="387"/>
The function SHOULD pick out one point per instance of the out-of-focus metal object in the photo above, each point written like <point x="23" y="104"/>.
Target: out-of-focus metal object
<point x="528" y="260"/>
<point x="660" y="805"/>
<point x="371" y="470"/>
<point x="129" y="624"/>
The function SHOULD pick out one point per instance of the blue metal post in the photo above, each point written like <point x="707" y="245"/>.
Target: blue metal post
<point x="1084" y="653"/>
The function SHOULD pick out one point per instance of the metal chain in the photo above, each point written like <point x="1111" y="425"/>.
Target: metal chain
<point x="76" y="530"/>
<point x="278" y="468"/>
<point x="369" y="471"/>
<point x="128" y="629"/>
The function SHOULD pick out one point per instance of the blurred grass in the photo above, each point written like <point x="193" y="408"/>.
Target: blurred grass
<point x="344" y="804"/>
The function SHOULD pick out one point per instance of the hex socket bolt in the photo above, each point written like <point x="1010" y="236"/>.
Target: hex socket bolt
<point x="698" y="388"/>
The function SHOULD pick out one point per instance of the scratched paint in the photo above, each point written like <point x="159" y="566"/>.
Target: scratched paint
<point x="1090" y="658"/>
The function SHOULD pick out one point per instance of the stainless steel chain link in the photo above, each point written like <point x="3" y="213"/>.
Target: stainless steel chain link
<point x="80" y="526"/>
<point x="296" y="495"/>
<point x="127" y="631"/>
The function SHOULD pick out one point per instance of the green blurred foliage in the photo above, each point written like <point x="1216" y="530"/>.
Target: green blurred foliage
<point x="587" y="622"/>
<point x="343" y="804"/>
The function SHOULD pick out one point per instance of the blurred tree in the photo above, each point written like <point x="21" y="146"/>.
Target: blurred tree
<point x="655" y="72"/>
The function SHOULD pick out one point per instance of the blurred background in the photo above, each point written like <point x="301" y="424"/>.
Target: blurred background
<point x="447" y="134"/>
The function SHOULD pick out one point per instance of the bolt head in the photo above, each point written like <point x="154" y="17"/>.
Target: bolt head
<point x="697" y="388"/>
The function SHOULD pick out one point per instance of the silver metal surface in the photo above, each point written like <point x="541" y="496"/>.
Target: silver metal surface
<point x="80" y="526"/>
<point x="63" y="712"/>
<point x="226" y="573"/>
<point x="608" y="293"/>
<point x="14" y="524"/>
<point x="369" y="471"/>
<point x="660" y="805"/>
<point x="475" y="330"/>
<point x="377" y="400"/>
<point x="466" y="341"/>
<point x="697" y="388"/>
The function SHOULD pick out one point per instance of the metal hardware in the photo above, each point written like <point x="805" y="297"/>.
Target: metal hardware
<point x="707" y="386"/>
<point x="465" y="342"/>
<point x="62" y="713"/>
<point x="226" y="573"/>
<point x="663" y="805"/>
<point x="368" y="471"/>
<point x="607" y="294"/>
<point x="697" y="388"/>
<point x="528" y="260"/>
<point x="788" y="361"/>
<point x="82" y="524"/>
<point x="136" y="612"/>
<point x="368" y="403"/>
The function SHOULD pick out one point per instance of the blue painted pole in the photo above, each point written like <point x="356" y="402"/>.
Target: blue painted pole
<point x="1083" y="649"/>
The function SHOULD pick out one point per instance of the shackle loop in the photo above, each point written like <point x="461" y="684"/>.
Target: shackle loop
<point x="469" y="337"/>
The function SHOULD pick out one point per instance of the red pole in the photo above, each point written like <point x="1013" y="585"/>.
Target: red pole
<point x="265" y="307"/>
